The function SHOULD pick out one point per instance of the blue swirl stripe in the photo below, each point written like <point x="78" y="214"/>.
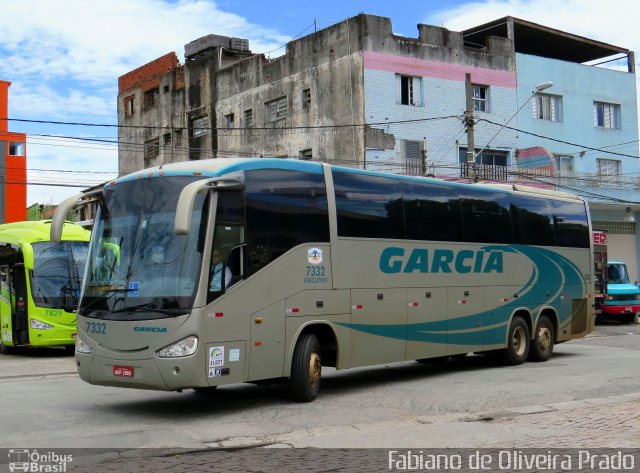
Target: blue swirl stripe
<point x="554" y="282"/>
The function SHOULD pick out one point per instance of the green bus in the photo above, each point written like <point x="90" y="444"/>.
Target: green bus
<point x="40" y="284"/>
<point x="257" y="270"/>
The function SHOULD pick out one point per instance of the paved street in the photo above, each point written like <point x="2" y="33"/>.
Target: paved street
<point x="587" y="396"/>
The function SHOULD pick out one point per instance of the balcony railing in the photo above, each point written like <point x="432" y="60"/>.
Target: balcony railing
<point x="485" y="172"/>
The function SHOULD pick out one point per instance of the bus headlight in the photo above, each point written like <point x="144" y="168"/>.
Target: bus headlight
<point x="184" y="347"/>
<point x="82" y="347"/>
<point x="36" y="324"/>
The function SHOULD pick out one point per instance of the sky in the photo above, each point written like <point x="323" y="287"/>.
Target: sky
<point x="64" y="58"/>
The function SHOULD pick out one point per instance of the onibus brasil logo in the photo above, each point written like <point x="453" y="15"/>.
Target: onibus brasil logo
<point x="23" y="459"/>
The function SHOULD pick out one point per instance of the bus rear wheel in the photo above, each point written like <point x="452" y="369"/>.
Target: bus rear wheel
<point x="306" y="369"/>
<point x="518" y="343"/>
<point x="543" y="340"/>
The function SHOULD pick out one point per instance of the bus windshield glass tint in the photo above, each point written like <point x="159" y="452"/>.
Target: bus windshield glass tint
<point x="57" y="273"/>
<point x="138" y="267"/>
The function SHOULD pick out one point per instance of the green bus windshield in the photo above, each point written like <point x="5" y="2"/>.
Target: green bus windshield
<point x="57" y="273"/>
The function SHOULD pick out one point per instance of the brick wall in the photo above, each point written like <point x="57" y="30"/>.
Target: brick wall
<point x="148" y="76"/>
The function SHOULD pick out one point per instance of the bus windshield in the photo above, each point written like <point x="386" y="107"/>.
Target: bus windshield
<point x="138" y="267"/>
<point x="57" y="273"/>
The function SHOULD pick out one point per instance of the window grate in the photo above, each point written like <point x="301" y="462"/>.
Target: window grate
<point x="276" y="109"/>
<point x="151" y="98"/>
<point x="615" y="228"/>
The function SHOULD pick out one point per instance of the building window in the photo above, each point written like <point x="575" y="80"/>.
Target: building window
<point x="488" y="156"/>
<point x="608" y="167"/>
<point x="228" y="120"/>
<point x="408" y="90"/>
<point x="412" y="154"/>
<point x="547" y="107"/>
<point x="606" y="115"/>
<point x="480" y="95"/>
<point x="151" y="150"/>
<point x="177" y="137"/>
<point x="200" y="126"/>
<point x="128" y="105"/>
<point x="151" y="98"/>
<point x="165" y="89"/>
<point x="306" y="154"/>
<point x="564" y="165"/>
<point x="166" y="139"/>
<point x="276" y="110"/>
<point x="492" y="158"/>
<point x="306" y="98"/>
<point x="16" y="148"/>
<point x="248" y="118"/>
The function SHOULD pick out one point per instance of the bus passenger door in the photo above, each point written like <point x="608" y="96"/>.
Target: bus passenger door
<point x="266" y="356"/>
<point x="427" y="323"/>
<point x="20" y="318"/>
<point x="5" y="305"/>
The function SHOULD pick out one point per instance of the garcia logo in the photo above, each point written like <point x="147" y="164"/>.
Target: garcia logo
<point x="422" y="260"/>
<point x="150" y="329"/>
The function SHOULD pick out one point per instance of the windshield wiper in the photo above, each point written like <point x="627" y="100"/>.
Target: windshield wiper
<point x="148" y="307"/>
<point x="101" y="296"/>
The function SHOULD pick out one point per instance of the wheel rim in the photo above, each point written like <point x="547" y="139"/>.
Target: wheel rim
<point x="519" y="341"/>
<point x="315" y="369"/>
<point x="544" y="338"/>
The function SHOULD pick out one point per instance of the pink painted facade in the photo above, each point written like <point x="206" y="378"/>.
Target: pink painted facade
<point x="438" y="70"/>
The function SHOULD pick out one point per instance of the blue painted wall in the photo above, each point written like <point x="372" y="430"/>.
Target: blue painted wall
<point x="579" y="86"/>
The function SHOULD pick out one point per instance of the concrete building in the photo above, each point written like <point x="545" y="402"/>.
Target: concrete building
<point x="581" y="134"/>
<point x="13" y="166"/>
<point x="356" y="94"/>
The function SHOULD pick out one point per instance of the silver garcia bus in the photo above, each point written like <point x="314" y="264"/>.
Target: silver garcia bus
<point x="231" y="270"/>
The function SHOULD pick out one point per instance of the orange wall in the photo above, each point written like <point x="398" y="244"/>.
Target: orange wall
<point x="14" y="173"/>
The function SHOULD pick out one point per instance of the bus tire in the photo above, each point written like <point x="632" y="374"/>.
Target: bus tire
<point x="518" y="343"/>
<point x="5" y="350"/>
<point x="543" y="340"/>
<point x="436" y="360"/>
<point x="306" y="369"/>
<point x="205" y="390"/>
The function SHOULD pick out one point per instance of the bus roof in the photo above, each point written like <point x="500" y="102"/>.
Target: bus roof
<point x="35" y="231"/>
<point x="23" y="234"/>
<point x="219" y="166"/>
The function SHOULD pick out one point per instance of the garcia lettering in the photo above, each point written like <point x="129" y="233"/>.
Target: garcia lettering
<point x="440" y="260"/>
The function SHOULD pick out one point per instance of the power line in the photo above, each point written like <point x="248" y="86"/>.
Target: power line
<point x="602" y="150"/>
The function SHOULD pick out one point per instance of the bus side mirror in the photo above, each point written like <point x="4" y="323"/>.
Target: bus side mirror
<point x="79" y="200"/>
<point x="184" y="209"/>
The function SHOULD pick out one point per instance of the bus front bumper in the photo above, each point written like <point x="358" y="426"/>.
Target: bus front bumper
<point x="151" y="373"/>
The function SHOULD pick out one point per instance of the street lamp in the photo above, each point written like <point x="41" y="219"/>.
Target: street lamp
<point x="536" y="89"/>
<point x="628" y="215"/>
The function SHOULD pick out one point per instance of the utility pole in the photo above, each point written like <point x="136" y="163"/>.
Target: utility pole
<point x="469" y="120"/>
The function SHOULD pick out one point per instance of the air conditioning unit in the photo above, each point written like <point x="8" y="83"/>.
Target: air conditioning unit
<point x="206" y="42"/>
<point x="239" y="44"/>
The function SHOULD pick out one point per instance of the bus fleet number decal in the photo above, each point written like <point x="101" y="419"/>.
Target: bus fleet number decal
<point x="99" y="328"/>
<point x="316" y="275"/>
<point x="52" y="312"/>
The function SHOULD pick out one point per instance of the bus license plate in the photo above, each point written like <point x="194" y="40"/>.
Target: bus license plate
<point x="124" y="371"/>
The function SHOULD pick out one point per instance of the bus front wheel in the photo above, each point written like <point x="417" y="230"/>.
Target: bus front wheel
<point x="306" y="369"/>
<point x="5" y="350"/>
<point x="544" y="337"/>
<point x="518" y="343"/>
